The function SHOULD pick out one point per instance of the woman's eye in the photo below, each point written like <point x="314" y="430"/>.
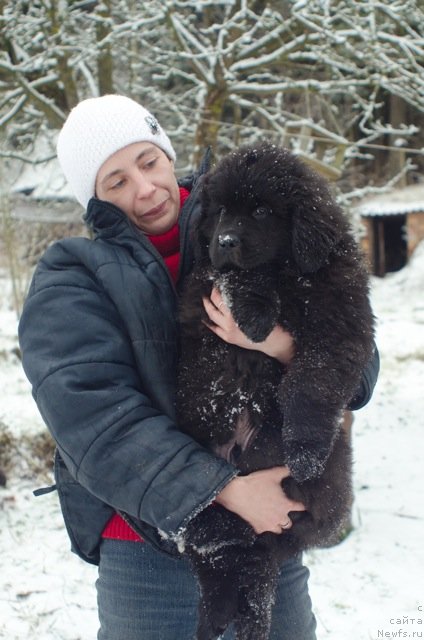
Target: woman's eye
<point x="260" y="212"/>
<point x="117" y="185"/>
<point x="150" y="164"/>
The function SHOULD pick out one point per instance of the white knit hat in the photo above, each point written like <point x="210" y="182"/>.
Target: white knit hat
<point x="94" y="130"/>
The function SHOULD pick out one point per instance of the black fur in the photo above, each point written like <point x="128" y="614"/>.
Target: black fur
<point x="273" y="240"/>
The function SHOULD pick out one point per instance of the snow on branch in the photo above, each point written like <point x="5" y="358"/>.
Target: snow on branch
<point x="13" y="111"/>
<point x="297" y="85"/>
<point x="358" y="194"/>
<point x="268" y="58"/>
<point x="190" y="43"/>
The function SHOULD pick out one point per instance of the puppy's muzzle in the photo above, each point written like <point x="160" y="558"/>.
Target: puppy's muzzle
<point x="228" y="241"/>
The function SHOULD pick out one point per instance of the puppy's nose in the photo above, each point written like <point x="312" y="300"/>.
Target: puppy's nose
<point x="228" y="240"/>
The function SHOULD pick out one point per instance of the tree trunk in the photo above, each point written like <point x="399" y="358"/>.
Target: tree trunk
<point x="105" y="59"/>
<point x="209" y="124"/>
<point x="396" y="160"/>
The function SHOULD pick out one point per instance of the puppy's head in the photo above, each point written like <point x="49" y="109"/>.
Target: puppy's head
<point x="263" y="205"/>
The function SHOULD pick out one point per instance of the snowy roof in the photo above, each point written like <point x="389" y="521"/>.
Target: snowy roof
<point x="42" y="180"/>
<point x="51" y="210"/>
<point x="39" y="190"/>
<point x="400" y="201"/>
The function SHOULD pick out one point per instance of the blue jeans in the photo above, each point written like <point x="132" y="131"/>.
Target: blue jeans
<point x="143" y="594"/>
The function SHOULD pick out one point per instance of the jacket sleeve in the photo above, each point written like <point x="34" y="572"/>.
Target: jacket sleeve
<point x="79" y="360"/>
<point x="369" y="378"/>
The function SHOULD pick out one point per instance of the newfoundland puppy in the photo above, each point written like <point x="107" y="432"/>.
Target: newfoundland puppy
<point x="272" y="239"/>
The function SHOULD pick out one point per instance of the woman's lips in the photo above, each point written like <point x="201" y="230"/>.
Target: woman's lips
<point x="155" y="211"/>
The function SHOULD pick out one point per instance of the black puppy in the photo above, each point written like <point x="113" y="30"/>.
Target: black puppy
<point x="278" y="247"/>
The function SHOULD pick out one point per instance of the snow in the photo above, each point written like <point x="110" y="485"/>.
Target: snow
<point x="368" y="587"/>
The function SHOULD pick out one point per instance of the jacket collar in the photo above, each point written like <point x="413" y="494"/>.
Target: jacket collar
<point x="104" y="218"/>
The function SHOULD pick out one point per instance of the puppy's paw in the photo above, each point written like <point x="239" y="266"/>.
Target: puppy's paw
<point x="217" y="606"/>
<point x="306" y="460"/>
<point x="256" y="310"/>
<point x="256" y="327"/>
<point x="208" y="629"/>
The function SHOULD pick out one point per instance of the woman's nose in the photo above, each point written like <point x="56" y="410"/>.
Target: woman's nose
<point x="145" y="187"/>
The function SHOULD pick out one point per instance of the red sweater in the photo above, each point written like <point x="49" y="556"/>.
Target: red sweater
<point x="168" y="245"/>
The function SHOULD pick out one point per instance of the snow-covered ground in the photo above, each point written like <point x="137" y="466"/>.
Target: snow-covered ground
<point x="369" y="587"/>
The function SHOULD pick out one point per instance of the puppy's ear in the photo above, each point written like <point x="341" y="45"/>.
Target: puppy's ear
<point x="200" y="239"/>
<point x="315" y="231"/>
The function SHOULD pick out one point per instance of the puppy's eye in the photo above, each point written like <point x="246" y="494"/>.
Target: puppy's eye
<point x="260" y="212"/>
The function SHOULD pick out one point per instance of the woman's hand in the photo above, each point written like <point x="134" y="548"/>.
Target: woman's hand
<point x="260" y="499"/>
<point x="279" y="344"/>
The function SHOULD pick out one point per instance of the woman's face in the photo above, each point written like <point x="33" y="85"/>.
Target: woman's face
<point x="140" y="180"/>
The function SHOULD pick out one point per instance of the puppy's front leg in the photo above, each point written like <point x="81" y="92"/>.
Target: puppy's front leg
<point x="255" y="306"/>
<point x="256" y="315"/>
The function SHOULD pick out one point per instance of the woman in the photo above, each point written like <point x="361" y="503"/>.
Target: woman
<point x="99" y="340"/>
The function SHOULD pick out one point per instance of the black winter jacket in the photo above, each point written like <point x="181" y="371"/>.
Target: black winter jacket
<point x="98" y="335"/>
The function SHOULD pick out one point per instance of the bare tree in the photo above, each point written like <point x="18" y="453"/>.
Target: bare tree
<point x="316" y="75"/>
<point x="53" y="54"/>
